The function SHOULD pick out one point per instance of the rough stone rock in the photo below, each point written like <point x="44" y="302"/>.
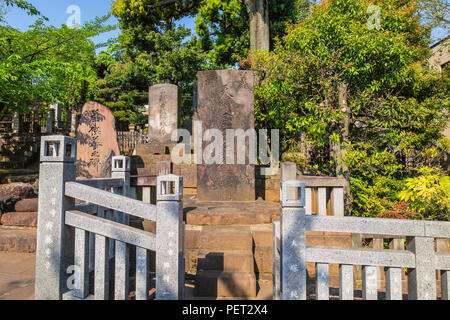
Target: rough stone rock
<point x="7" y="203"/>
<point x="36" y="186"/>
<point x="27" y="205"/>
<point x="20" y="219"/>
<point x="19" y="189"/>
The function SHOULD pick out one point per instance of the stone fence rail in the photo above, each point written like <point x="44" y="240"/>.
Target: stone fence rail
<point x="84" y="237"/>
<point x="420" y="257"/>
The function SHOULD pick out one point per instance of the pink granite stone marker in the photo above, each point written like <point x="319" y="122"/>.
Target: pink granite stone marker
<point x="96" y="141"/>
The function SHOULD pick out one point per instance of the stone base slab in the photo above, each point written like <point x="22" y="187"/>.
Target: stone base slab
<point x="229" y="213"/>
<point x="20" y="219"/>
<point x="17" y="240"/>
<point x="225" y="284"/>
<point x="230" y="261"/>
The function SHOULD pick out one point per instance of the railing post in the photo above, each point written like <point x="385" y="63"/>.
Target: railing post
<point x="54" y="252"/>
<point x="121" y="170"/>
<point x="293" y="241"/>
<point x="441" y="248"/>
<point x="276" y="261"/>
<point x="288" y="173"/>
<point x="422" y="279"/>
<point x="169" y="238"/>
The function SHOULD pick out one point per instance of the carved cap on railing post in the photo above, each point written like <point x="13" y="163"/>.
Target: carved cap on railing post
<point x="300" y="194"/>
<point x="169" y="238"/>
<point x="58" y="149"/>
<point x="54" y="250"/>
<point x="293" y="240"/>
<point x="169" y="188"/>
<point x="120" y="164"/>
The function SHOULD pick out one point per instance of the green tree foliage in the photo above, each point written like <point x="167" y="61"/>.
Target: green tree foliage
<point x="223" y="28"/>
<point x="398" y="106"/>
<point x="154" y="49"/>
<point x="428" y="194"/>
<point x="151" y="49"/>
<point x="168" y="57"/>
<point x="45" y="63"/>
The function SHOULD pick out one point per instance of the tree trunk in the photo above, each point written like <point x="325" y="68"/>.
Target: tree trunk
<point x="258" y="11"/>
<point x="341" y="166"/>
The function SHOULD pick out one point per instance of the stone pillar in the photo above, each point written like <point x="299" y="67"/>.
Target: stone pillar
<point x="288" y="173"/>
<point x="164" y="111"/>
<point x="16" y="123"/>
<point x="50" y="121"/>
<point x="58" y="113"/>
<point x="121" y="170"/>
<point x="73" y="125"/>
<point x="169" y="238"/>
<point x="54" y="254"/>
<point x="293" y="242"/>
<point x="422" y="278"/>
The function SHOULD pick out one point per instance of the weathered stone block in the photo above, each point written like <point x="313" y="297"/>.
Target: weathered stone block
<point x="264" y="260"/>
<point x="18" y="189"/>
<point x="191" y="239"/>
<point x="230" y="261"/>
<point x="163" y="112"/>
<point x="262" y="238"/>
<point x="225" y="284"/>
<point x="20" y="219"/>
<point x="225" y="101"/>
<point x="27" y="205"/>
<point x="13" y="240"/>
<point x="223" y="241"/>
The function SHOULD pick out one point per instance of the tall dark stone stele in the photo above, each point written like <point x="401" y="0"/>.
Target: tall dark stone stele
<point x="226" y="101"/>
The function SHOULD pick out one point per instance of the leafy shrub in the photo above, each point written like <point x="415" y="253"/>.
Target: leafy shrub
<point x="428" y="194"/>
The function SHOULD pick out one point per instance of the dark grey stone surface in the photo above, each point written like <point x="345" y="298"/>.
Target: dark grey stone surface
<point x="225" y="101"/>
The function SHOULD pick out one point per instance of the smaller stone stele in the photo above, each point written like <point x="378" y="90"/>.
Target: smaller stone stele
<point x="164" y="111"/>
<point x="96" y="141"/>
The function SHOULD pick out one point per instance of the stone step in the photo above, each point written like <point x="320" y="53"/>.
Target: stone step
<point x="222" y="239"/>
<point x="20" y="219"/>
<point x="229" y="213"/>
<point x="209" y="283"/>
<point x="18" y="239"/>
<point x="230" y="261"/>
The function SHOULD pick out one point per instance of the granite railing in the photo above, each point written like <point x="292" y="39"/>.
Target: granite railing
<point x="420" y="257"/>
<point x="84" y="237"/>
<point x="324" y="195"/>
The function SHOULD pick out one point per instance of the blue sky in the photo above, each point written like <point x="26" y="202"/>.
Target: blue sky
<point x="56" y="11"/>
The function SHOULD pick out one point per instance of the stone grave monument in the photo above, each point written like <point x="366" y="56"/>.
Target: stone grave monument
<point x="225" y="101"/>
<point x="96" y="141"/>
<point x="163" y="120"/>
